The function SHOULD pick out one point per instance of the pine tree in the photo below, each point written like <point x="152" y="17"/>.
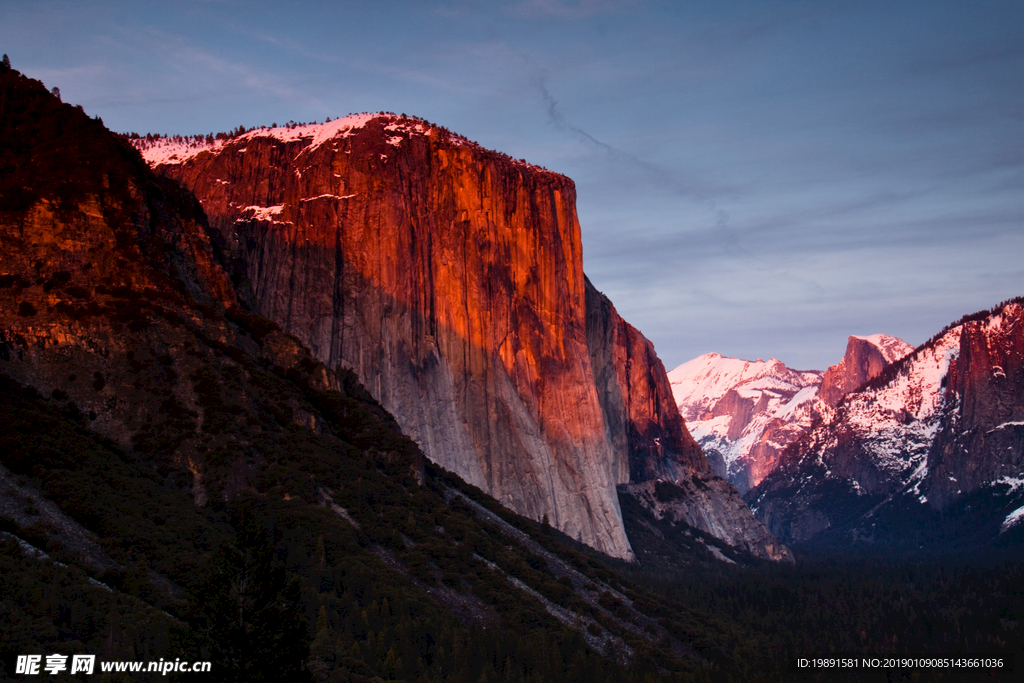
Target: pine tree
<point x="248" y="612"/>
<point x="6" y="61"/>
<point x="325" y="642"/>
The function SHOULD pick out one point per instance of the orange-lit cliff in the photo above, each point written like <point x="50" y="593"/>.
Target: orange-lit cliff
<point x="450" y="278"/>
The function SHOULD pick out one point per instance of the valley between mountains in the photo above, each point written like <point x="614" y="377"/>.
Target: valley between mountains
<point x="337" y="402"/>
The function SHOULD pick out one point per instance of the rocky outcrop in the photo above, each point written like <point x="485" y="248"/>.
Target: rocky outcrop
<point x="981" y="437"/>
<point x="865" y="358"/>
<point x="711" y="505"/>
<point x="449" y="278"/>
<point x="934" y="437"/>
<point x="93" y="245"/>
<point x="647" y="431"/>
<point x="115" y="307"/>
<point x="643" y="425"/>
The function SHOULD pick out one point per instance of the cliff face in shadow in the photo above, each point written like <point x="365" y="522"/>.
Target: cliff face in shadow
<point x="450" y="279"/>
<point x="644" y="425"/>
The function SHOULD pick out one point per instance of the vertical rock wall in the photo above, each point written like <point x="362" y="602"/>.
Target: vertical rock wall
<point x="450" y="279"/>
<point x="644" y="426"/>
<point x="981" y="438"/>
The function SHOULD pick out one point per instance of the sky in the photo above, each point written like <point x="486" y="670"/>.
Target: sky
<point x="758" y="179"/>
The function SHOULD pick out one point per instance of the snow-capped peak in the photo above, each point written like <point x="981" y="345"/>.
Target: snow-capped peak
<point x="706" y="379"/>
<point x="735" y="406"/>
<point x="750" y="411"/>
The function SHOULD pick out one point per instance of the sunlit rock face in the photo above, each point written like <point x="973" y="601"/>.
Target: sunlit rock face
<point x="864" y="360"/>
<point x="934" y="442"/>
<point x="450" y="278"/>
<point x="93" y="245"/>
<point x="981" y="439"/>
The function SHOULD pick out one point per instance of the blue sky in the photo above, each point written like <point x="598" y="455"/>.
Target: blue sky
<point x="760" y="179"/>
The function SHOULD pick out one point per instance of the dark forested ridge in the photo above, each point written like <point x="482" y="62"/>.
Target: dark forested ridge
<point x="402" y="580"/>
<point x="428" y="586"/>
<point x="179" y="479"/>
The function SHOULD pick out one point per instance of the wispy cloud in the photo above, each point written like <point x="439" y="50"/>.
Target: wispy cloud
<point x="425" y="77"/>
<point x="563" y="9"/>
<point x="693" y="188"/>
<point x="230" y="72"/>
<point x="970" y="56"/>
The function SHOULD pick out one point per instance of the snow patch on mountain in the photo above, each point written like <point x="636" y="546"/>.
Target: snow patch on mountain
<point x="178" y="149"/>
<point x="264" y="213"/>
<point x="737" y="407"/>
<point x="327" y="196"/>
<point x="175" y="150"/>
<point x="1012" y="519"/>
<point x="803" y="397"/>
<point x="1018" y="423"/>
<point x="1013" y="482"/>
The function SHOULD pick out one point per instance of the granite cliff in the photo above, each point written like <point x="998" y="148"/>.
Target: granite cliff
<point x="641" y="419"/>
<point x="669" y="476"/>
<point x="449" y="278"/>
<point x="865" y="358"/>
<point x="180" y="478"/>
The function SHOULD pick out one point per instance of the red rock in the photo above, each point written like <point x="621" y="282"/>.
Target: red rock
<point x="450" y="279"/>
<point x="864" y="360"/>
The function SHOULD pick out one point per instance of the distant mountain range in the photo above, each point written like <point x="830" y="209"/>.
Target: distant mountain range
<point x="929" y="455"/>
<point x="745" y="413"/>
<point x="893" y="447"/>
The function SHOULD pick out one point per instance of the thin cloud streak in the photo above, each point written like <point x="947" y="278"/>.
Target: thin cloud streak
<point x="559" y="9"/>
<point x="660" y="175"/>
